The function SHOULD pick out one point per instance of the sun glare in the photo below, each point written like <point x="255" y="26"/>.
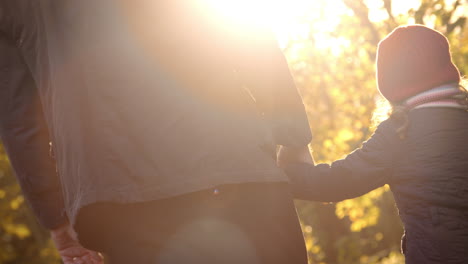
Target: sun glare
<point x="281" y="16"/>
<point x="259" y="11"/>
<point x="297" y="20"/>
<point x="289" y="19"/>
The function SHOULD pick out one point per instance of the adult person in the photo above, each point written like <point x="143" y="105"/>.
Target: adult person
<point x="163" y="123"/>
<point x="420" y="151"/>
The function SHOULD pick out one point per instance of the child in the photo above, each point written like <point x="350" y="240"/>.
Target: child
<point x="421" y="151"/>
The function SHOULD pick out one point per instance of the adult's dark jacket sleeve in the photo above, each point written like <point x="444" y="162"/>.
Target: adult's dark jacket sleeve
<point x="267" y="76"/>
<point x="25" y="137"/>
<point x="365" y="169"/>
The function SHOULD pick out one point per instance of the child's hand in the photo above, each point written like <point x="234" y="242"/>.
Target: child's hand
<point x="288" y="155"/>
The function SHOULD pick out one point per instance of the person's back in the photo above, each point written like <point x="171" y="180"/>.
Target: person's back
<point x="430" y="185"/>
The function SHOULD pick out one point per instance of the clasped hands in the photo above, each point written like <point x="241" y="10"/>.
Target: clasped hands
<point x="290" y="155"/>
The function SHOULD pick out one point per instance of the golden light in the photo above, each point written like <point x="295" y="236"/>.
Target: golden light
<point x="297" y="20"/>
<point x="243" y="12"/>
<point x="259" y="11"/>
<point x="281" y="16"/>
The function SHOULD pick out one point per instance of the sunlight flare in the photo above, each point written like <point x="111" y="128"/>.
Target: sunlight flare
<point x="284" y="18"/>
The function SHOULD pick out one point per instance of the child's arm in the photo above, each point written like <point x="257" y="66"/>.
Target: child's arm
<point x="361" y="171"/>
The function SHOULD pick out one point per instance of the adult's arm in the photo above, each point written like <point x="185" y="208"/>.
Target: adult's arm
<point x="266" y="74"/>
<point x="25" y="137"/>
<point x="365" y="169"/>
<point x="24" y="133"/>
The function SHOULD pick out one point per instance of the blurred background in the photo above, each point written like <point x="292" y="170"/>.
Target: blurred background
<point x="330" y="46"/>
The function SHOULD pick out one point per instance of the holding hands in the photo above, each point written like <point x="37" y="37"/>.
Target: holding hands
<point x="290" y="155"/>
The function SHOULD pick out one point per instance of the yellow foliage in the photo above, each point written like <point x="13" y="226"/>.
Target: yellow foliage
<point x="19" y="230"/>
<point x="22" y="231"/>
<point x="394" y="258"/>
<point x="361" y="211"/>
<point x="17" y="202"/>
<point x="364" y="259"/>
<point x="49" y="251"/>
<point x="315" y="249"/>
<point x="379" y="236"/>
<point x="345" y="135"/>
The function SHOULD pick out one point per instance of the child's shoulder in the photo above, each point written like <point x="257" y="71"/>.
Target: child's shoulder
<point x="389" y="131"/>
<point x="388" y="126"/>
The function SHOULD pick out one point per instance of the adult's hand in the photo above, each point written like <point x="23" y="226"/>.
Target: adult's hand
<point x="289" y="155"/>
<point x="70" y="250"/>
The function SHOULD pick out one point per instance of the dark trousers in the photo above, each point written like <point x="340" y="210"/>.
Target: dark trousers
<point x="246" y="223"/>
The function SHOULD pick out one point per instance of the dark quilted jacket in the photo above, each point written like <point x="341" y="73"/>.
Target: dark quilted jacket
<point x="427" y="173"/>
